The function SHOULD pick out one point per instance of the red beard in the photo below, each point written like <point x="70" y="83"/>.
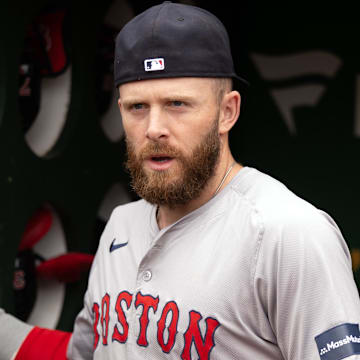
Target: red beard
<point x="177" y="186"/>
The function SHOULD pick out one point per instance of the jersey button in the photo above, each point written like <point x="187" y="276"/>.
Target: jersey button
<point x="147" y="275"/>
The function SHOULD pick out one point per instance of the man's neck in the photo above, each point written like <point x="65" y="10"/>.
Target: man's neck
<point x="168" y="215"/>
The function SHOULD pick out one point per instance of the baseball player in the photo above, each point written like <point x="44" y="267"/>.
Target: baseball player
<point x="216" y="261"/>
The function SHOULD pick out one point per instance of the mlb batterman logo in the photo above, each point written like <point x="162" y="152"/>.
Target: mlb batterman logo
<point x="154" y="64"/>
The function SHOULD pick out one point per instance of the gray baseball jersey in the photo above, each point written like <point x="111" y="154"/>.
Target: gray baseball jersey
<point x="255" y="273"/>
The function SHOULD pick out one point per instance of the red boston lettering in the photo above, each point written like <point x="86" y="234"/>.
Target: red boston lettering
<point x="196" y="338"/>
<point x="96" y="313"/>
<point x="203" y="345"/>
<point x="147" y="302"/>
<point x="105" y="303"/>
<point x="170" y="306"/>
<point x="117" y="335"/>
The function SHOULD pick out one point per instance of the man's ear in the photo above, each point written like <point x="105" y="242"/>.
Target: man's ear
<point x="229" y="111"/>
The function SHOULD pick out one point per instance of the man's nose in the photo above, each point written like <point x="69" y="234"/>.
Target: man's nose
<point x="157" y="126"/>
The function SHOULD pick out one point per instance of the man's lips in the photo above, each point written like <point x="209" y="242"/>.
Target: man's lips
<point x="159" y="161"/>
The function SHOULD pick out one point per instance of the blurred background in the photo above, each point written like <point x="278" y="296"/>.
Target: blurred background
<point x="61" y="138"/>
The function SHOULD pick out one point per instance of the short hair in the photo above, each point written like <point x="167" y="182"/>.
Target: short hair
<point x="221" y="87"/>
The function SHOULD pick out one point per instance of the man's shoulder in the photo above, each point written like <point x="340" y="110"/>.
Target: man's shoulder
<point x="274" y="202"/>
<point x="129" y="217"/>
<point x="131" y="209"/>
<point x="287" y="220"/>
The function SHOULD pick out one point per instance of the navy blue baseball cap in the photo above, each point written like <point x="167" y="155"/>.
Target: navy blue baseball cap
<point x="173" y="40"/>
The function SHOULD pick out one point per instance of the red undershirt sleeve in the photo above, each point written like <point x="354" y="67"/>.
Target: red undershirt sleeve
<point x="44" y="344"/>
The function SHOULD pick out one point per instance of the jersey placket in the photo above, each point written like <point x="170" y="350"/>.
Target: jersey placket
<point x="145" y="284"/>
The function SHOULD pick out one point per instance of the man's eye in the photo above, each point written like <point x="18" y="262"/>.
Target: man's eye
<point x="138" y="106"/>
<point x="177" y="103"/>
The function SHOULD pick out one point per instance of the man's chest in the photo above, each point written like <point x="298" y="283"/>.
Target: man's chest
<point x="178" y="297"/>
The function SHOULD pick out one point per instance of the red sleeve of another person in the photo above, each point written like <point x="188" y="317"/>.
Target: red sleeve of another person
<point x="44" y="344"/>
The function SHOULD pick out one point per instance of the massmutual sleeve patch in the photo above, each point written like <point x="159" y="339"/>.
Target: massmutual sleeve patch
<point x="339" y="342"/>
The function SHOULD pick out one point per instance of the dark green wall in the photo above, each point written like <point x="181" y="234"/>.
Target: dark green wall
<point x="75" y="175"/>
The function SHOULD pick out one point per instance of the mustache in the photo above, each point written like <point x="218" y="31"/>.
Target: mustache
<point x="153" y="149"/>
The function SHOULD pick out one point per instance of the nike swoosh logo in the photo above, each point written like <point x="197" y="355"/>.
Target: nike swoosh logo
<point x="117" y="246"/>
